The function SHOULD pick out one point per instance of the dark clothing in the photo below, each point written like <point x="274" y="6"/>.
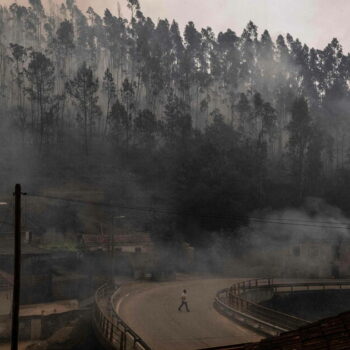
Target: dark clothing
<point x="182" y="304"/>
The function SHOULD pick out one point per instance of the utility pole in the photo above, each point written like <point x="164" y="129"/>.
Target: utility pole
<point x="17" y="269"/>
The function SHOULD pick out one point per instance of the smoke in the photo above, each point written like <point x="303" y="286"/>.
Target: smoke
<point x="312" y="241"/>
<point x="305" y="242"/>
<point x="101" y="176"/>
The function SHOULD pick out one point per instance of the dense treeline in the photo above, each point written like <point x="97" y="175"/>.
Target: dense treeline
<point x="214" y="126"/>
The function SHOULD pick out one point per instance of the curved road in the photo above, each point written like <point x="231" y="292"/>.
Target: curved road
<point x="151" y="311"/>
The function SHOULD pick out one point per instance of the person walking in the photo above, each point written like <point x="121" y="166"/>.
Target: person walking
<point x="184" y="301"/>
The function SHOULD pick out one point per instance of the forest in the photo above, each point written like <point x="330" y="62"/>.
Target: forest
<point x="208" y="127"/>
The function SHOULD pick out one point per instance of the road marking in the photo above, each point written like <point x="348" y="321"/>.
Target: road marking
<point x="119" y="303"/>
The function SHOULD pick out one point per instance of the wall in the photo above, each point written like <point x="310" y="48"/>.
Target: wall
<point x="37" y="327"/>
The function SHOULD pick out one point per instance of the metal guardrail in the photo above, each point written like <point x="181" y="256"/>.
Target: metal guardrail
<point x="235" y="303"/>
<point x="245" y="318"/>
<point x="246" y="346"/>
<point x="310" y="286"/>
<point x="243" y="286"/>
<point x="112" y="331"/>
<point x="238" y="299"/>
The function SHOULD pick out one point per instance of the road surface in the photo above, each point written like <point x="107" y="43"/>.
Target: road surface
<point x="151" y="311"/>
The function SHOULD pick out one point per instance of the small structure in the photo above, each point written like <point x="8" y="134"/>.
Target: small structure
<point x="318" y="258"/>
<point x="39" y="321"/>
<point x="118" y="242"/>
<point x="120" y="252"/>
<point x="309" y="258"/>
<point x="36" y="274"/>
<point x="306" y="257"/>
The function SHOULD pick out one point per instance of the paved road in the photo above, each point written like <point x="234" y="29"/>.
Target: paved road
<point x="151" y="310"/>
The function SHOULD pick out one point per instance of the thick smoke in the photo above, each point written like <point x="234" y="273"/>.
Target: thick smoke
<point x="196" y="140"/>
<point x="312" y="241"/>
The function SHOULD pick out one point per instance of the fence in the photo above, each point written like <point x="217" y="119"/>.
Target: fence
<point x="241" y="302"/>
<point x="111" y="330"/>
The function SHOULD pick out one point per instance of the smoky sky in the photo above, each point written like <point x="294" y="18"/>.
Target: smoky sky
<point x="315" y="22"/>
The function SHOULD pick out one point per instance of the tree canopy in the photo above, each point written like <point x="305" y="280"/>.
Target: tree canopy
<point x="210" y="126"/>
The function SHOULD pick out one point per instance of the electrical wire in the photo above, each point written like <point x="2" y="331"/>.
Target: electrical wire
<point x="152" y="210"/>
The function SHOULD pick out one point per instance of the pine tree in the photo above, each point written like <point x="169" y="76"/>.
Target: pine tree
<point x="41" y="78"/>
<point x="83" y="89"/>
<point x="19" y="55"/>
<point x="109" y="89"/>
<point x="300" y="132"/>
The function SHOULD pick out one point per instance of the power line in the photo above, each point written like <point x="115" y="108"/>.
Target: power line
<point x="290" y="222"/>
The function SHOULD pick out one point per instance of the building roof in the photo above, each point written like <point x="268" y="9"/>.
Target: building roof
<point x="104" y="241"/>
<point x="332" y="333"/>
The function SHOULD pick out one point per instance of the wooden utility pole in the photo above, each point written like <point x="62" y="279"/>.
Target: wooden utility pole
<point x="17" y="270"/>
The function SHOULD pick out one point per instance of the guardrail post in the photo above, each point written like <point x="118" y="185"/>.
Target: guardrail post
<point x="106" y="328"/>
<point x="111" y="333"/>
<point x="103" y="325"/>
<point x="122" y="341"/>
<point x="102" y="320"/>
<point x="99" y="318"/>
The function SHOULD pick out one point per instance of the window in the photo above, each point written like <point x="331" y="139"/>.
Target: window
<point x="313" y="252"/>
<point x="296" y="251"/>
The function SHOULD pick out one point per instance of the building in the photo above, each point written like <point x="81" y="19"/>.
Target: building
<point x="318" y="258"/>
<point x="304" y="258"/>
<point x="36" y="273"/>
<point x="118" y="242"/>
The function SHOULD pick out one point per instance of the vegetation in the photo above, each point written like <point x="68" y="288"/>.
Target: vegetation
<point x="210" y="127"/>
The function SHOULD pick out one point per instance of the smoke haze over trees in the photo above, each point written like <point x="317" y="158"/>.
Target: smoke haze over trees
<point x="210" y="126"/>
